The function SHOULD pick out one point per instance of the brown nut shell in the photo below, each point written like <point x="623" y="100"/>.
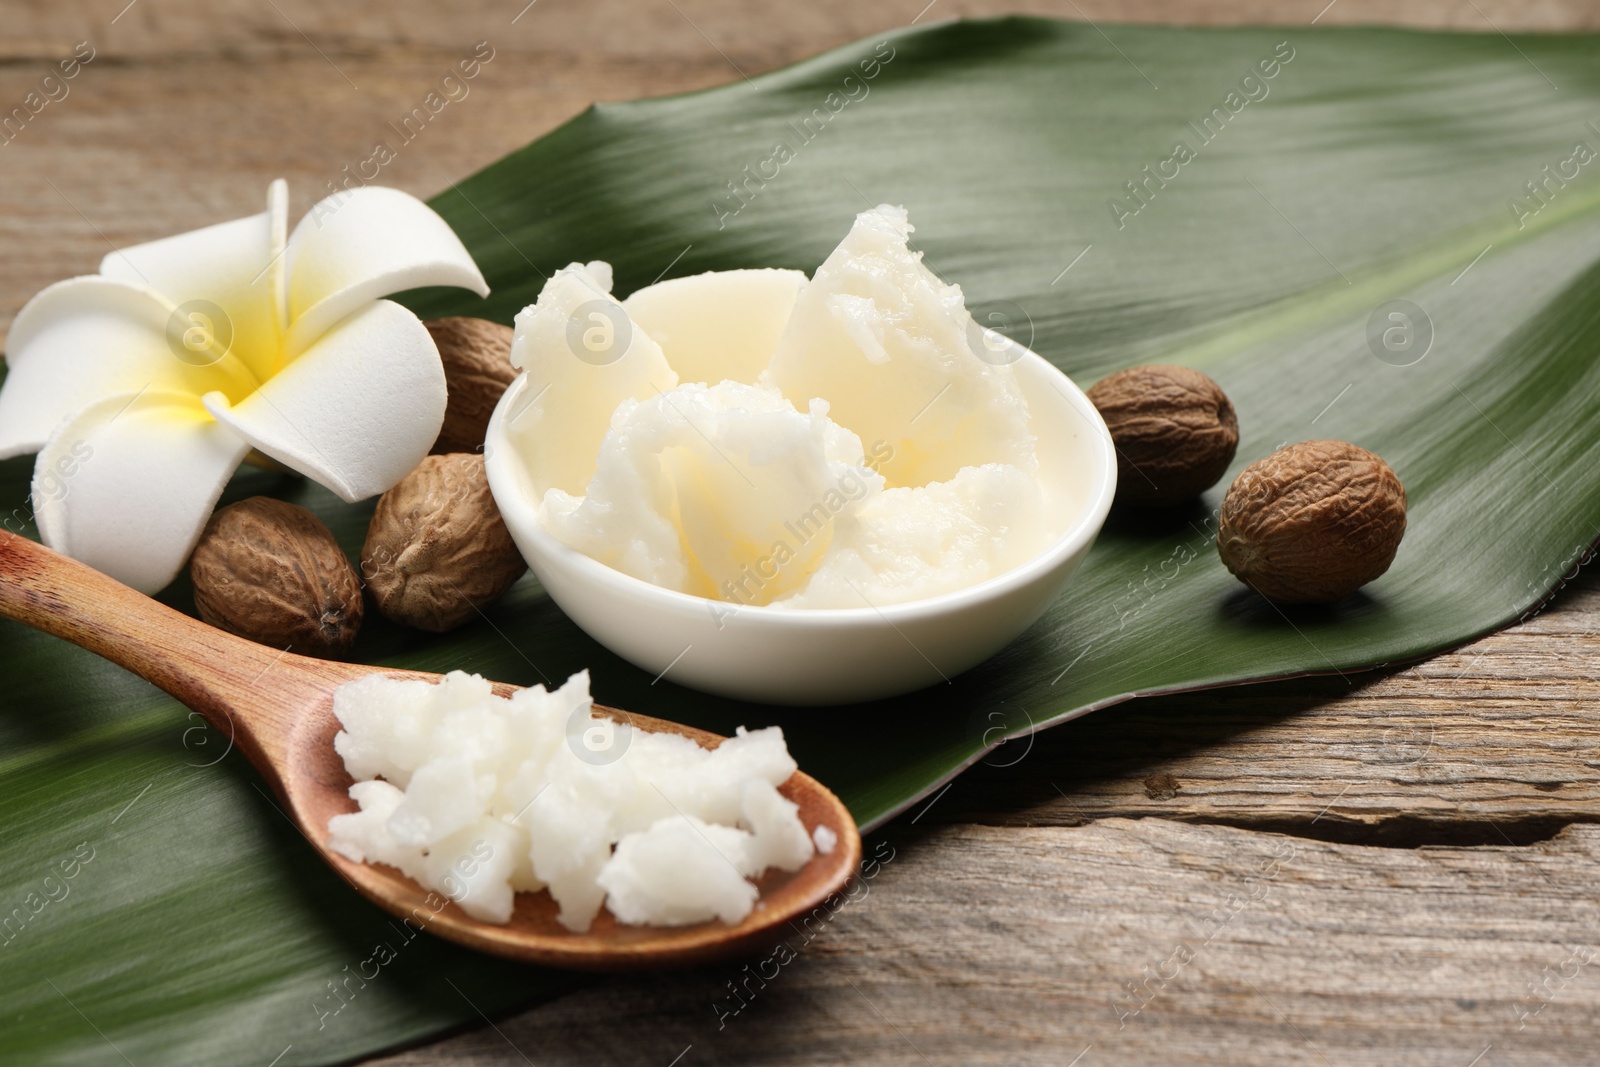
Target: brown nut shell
<point x="1175" y="432"/>
<point x="476" y="354"/>
<point x="1312" y="522"/>
<point x="437" y="550"/>
<point x="271" y="571"/>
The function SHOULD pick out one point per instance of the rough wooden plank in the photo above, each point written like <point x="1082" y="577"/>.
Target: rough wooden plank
<point x="757" y="37"/>
<point x="190" y="107"/>
<point x="1019" y="946"/>
<point x="997" y="944"/>
<point x="1496" y="743"/>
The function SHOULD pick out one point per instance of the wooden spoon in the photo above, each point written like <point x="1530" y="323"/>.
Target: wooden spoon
<point x="278" y="709"/>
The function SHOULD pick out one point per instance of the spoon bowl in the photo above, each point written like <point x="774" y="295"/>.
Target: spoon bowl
<point x="278" y="709"/>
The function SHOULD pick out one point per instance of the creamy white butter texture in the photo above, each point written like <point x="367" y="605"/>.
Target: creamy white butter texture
<point x="482" y="797"/>
<point x="754" y="437"/>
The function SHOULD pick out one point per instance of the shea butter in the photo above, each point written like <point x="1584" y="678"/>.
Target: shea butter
<point x="761" y="438"/>
<point x="481" y="797"/>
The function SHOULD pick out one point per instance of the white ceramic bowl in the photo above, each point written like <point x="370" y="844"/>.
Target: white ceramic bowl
<point x="829" y="656"/>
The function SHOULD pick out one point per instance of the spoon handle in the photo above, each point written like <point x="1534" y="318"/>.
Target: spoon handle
<point x="213" y="672"/>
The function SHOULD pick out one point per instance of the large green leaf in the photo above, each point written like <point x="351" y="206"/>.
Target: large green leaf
<point x="1379" y="166"/>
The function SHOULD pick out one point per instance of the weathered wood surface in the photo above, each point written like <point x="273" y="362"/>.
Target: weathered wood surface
<point x="1023" y="902"/>
<point x="191" y="106"/>
<point x="1132" y="942"/>
<point x="1497" y="743"/>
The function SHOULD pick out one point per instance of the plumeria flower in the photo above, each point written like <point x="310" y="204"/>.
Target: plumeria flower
<point x="142" y="388"/>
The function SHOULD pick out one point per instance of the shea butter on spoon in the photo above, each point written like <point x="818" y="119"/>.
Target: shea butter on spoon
<point x="481" y="797"/>
<point x="831" y="443"/>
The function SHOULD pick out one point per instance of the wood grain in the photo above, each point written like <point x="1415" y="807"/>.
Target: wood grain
<point x="190" y="108"/>
<point x="1024" y="900"/>
<point x="983" y="945"/>
<point x="1496" y="743"/>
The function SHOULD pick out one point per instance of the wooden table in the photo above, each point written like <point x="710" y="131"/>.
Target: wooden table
<point x="1395" y="869"/>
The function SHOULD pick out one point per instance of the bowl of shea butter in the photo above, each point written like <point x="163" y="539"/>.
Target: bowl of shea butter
<point x="793" y="490"/>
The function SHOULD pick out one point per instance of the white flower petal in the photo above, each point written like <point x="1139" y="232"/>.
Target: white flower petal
<point x="278" y="210"/>
<point x="360" y="245"/>
<point x="127" y="484"/>
<point x="357" y="411"/>
<point x="87" y="338"/>
<point x="234" y="266"/>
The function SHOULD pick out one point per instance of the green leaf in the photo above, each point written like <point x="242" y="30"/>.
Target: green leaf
<point x="1373" y="166"/>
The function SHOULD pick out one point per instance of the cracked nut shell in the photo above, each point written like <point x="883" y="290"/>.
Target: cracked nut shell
<point x="476" y="354"/>
<point x="1312" y="522"/>
<point x="271" y="571"/>
<point x="437" y="550"/>
<point x="1175" y="432"/>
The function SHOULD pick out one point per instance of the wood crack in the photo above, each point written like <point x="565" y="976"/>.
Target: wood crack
<point x="1401" y="832"/>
